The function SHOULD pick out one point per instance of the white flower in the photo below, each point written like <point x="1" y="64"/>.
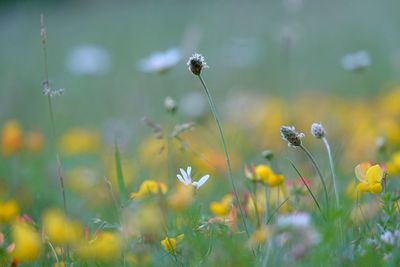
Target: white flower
<point x="160" y="62"/>
<point x="296" y="220"/>
<point x="88" y="59"/>
<point x="356" y="61"/>
<point x="186" y="179"/>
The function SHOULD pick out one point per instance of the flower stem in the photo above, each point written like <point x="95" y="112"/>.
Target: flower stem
<point x="228" y="160"/>
<point x="319" y="174"/>
<point x="328" y="149"/>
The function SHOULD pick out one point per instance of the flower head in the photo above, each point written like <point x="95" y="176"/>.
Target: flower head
<point x="196" y="64"/>
<point x="317" y="130"/>
<point x="160" y="62"/>
<point x="170" y="243"/>
<point x="150" y="187"/>
<point x="12" y="139"/>
<point x="370" y="177"/>
<point x="186" y="179"/>
<point x="356" y="61"/>
<point x="289" y="134"/>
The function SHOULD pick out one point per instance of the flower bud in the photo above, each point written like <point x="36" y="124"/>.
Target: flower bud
<point x="317" y="130"/>
<point x="289" y="134"/>
<point x="170" y="104"/>
<point x="196" y="64"/>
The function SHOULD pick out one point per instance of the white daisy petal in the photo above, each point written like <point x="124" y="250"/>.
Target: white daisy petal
<point x="189" y="170"/>
<point x="184" y="175"/>
<point x="180" y="179"/>
<point x="202" y="181"/>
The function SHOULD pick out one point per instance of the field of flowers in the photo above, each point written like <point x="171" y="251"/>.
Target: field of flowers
<point x="154" y="175"/>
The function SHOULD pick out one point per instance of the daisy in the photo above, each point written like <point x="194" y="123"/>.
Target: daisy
<point x="160" y="62"/>
<point x="186" y="179"/>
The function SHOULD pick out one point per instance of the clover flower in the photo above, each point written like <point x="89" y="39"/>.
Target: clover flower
<point x="370" y="177"/>
<point x="186" y="179"/>
<point x="196" y="63"/>
<point x="289" y="134"/>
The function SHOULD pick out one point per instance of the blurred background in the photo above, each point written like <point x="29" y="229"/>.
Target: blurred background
<point x="269" y="47"/>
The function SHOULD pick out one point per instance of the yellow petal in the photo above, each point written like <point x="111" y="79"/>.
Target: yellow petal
<point x="361" y="171"/>
<point x="363" y="187"/>
<point x="374" y="174"/>
<point x="376" y="188"/>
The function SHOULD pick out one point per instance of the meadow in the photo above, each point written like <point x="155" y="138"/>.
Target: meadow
<point x="184" y="133"/>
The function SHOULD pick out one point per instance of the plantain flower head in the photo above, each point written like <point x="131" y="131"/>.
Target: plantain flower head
<point x="196" y="64"/>
<point x="289" y="134"/>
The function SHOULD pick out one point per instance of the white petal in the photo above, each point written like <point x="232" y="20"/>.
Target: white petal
<point x="203" y="180"/>
<point x="180" y="179"/>
<point x="189" y="170"/>
<point x="184" y="175"/>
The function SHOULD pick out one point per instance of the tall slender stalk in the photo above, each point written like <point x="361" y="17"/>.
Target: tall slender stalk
<point x="228" y="160"/>
<point x="47" y="91"/>
<point x="328" y="149"/>
<point x="309" y="155"/>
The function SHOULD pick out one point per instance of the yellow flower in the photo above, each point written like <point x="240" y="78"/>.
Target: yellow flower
<point x="170" y="244"/>
<point x="275" y="180"/>
<point x="12" y="140"/>
<point x="370" y="178"/>
<point x="8" y="211"/>
<point x="59" y="229"/>
<point x="263" y="173"/>
<point x="223" y="207"/>
<point x="259" y="236"/>
<point x="80" y="141"/>
<point x="393" y="166"/>
<point x="105" y="247"/>
<point x="27" y="242"/>
<point x="150" y="187"/>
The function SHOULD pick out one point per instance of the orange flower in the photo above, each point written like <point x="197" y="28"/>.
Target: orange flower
<point x="12" y="138"/>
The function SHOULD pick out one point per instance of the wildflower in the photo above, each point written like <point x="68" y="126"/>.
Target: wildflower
<point x="222" y="208"/>
<point x="393" y="165"/>
<point x="8" y="211"/>
<point x="59" y="229"/>
<point x="170" y="244"/>
<point x="88" y="59"/>
<point x="296" y="220"/>
<point x="186" y="179"/>
<point x="356" y="61"/>
<point x="161" y="62"/>
<point x="289" y="134"/>
<point x="317" y="130"/>
<point x="27" y="242"/>
<point x="170" y="104"/>
<point x="80" y="141"/>
<point x="259" y="236"/>
<point x="34" y="141"/>
<point x="196" y="64"/>
<point x="12" y="141"/>
<point x="105" y="247"/>
<point x="150" y="187"/>
<point x="263" y="172"/>
<point x="268" y="154"/>
<point x="370" y="177"/>
<point x="60" y="264"/>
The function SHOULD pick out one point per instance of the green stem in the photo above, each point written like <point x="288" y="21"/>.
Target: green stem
<point x="319" y="174"/>
<point x="228" y="160"/>
<point x="328" y="149"/>
<point x="120" y="176"/>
